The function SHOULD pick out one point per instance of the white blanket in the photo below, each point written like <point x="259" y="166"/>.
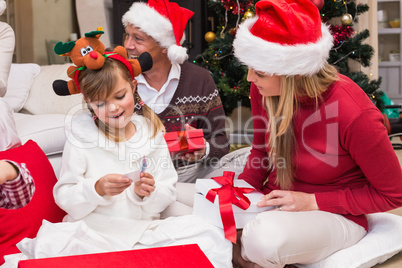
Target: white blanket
<point x="73" y="238"/>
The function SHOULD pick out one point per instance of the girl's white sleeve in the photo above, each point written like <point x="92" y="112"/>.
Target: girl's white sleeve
<point x="161" y="167"/>
<point x="73" y="193"/>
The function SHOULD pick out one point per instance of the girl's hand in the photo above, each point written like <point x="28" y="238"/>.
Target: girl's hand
<point x="145" y="186"/>
<point x="289" y="201"/>
<point x="7" y="172"/>
<point x="112" y="184"/>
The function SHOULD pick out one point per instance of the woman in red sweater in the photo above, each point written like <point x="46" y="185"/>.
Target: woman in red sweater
<point x="320" y="152"/>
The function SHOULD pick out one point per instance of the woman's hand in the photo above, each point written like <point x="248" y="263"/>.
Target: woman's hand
<point x="289" y="201"/>
<point x="112" y="184"/>
<point x="145" y="186"/>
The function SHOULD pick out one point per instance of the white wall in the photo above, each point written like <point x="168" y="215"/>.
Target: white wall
<point x="38" y="20"/>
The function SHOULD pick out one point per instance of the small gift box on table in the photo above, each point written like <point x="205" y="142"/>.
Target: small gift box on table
<point x="171" y="257"/>
<point x="227" y="203"/>
<point x="185" y="141"/>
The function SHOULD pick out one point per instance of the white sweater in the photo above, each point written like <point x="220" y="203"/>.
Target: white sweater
<point x="88" y="155"/>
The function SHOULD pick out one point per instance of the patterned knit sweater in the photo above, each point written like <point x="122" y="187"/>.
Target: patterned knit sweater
<point x="197" y="102"/>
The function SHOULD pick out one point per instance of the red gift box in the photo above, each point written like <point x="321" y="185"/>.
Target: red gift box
<point x="227" y="203"/>
<point x="185" y="141"/>
<point x="169" y="257"/>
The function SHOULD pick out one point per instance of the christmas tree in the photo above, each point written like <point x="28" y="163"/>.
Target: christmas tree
<point x="230" y="75"/>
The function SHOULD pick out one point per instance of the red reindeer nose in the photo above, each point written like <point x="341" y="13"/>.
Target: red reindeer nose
<point x="93" y="55"/>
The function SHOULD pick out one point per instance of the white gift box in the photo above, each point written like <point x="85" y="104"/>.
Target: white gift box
<point x="210" y="211"/>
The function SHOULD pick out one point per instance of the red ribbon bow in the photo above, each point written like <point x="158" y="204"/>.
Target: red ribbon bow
<point x="183" y="140"/>
<point x="228" y="195"/>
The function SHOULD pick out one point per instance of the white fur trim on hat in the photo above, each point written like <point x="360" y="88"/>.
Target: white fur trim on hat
<point x="158" y="27"/>
<point x="177" y="54"/>
<point x="274" y="58"/>
<point x="3" y="6"/>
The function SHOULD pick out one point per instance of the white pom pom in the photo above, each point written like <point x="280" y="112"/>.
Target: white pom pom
<point x="177" y="54"/>
<point x="3" y="6"/>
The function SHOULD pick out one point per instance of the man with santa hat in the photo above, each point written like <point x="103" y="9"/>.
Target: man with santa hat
<point x="183" y="95"/>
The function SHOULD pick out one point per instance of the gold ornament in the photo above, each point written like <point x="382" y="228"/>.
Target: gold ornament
<point x="232" y="31"/>
<point x="346" y="19"/>
<point x="210" y="36"/>
<point x="248" y="14"/>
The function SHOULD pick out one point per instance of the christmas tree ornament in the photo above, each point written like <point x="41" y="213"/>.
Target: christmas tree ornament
<point x="248" y="14"/>
<point x="341" y="33"/>
<point x="210" y="36"/>
<point x="318" y="3"/>
<point x="232" y="31"/>
<point x="346" y="19"/>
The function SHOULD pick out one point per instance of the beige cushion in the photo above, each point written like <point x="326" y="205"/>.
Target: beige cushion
<point x="47" y="130"/>
<point x="19" y="84"/>
<point x="43" y="100"/>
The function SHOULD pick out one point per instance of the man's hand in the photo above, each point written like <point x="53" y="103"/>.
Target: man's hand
<point x="195" y="156"/>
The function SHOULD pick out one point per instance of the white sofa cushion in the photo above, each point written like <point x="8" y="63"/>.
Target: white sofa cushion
<point x="47" y="130"/>
<point x="42" y="99"/>
<point x="383" y="240"/>
<point x="19" y="84"/>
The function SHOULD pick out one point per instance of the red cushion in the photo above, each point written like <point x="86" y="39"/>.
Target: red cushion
<point x="17" y="224"/>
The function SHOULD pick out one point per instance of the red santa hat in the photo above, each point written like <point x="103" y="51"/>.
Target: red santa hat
<point x="286" y="37"/>
<point x="163" y="21"/>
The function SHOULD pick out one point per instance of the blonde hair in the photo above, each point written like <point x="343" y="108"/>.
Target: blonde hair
<point x="280" y="110"/>
<point x="99" y="85"/>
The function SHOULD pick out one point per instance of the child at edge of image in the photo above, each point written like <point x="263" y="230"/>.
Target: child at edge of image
<point x="16" y="183"/>
<point x="106" y="211"/>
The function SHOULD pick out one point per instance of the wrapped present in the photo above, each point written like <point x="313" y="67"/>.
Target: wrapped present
<point x="185" y="141"/>
<point x="174" y="256"/>
<point x="227" y="203"/>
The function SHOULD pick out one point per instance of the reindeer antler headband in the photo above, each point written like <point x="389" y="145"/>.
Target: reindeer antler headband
<point x="89" y="52"/>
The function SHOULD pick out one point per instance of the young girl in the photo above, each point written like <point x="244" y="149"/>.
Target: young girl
<point x="320" y="152"/>
<point x="16" y="183"/>
<point x="122" y="212"/>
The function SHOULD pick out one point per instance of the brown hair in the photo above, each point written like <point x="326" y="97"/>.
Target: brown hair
<point x="280" y="110"/>
<point x="99" y="84"/>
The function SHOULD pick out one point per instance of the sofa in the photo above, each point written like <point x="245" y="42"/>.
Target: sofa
<point x="40" y="115"/>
